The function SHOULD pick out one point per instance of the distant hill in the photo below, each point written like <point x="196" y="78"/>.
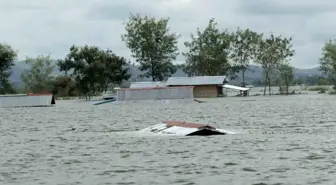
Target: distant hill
<point x="254" y="72"/>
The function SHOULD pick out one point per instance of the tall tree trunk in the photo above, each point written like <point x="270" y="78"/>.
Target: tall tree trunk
<point x="243" y="77"/>
<point x="268" y="83"/>
<point x="279" y="84"/>
<point x="152" y="67"/>
<point x="265" y="85"/>
<point x="286" y="82"/>
<point x="269" y="86"/>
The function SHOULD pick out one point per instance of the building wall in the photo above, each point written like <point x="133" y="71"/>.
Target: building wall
<point x="26" y="100"/>
<point x="161" y="93"/>
<point x="205" y="91"/>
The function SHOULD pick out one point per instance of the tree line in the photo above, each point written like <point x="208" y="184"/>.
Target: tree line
<point x="89" y="70"/>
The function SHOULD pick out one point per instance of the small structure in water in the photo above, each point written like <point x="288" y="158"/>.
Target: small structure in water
<point x="204" y="86"/>
<point x="136" y="85"/>
<point x="244" y="91"/>
<point x="155" y="93"/>
<point x="27" y="100"/>
<point x="104" y="101"/>
<point x="180" y="128"/>
<point x="109" y="95"/>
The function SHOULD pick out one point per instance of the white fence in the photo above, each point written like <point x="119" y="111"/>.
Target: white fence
<point x="157" y="93"/>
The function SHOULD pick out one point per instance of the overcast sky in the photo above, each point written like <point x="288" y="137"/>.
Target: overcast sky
<point x="35" y="27"/>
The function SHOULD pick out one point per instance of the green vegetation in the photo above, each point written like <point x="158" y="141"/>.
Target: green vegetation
<point x="208" y="53"/>
<point x="328" y="61"/>
<point x="90" y="70"/>
<point x="318" y="88"/>
<point x="38" y="78"/>
<point x="243" y="49"/>
<point x="94" y="70"/>
<point x="332" y="92"/>
<point x="153" y="46"/>
<point x="271" y="52"/>
<point x="7" y="57"/>
<point x="285" y="77"/>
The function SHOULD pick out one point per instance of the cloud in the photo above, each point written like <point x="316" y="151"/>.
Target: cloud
<point x="50" y="27"/>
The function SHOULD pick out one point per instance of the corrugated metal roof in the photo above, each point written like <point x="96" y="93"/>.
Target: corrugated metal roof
<point x="182" y="129"/>
<point x="147" y="84"/>
<point x="26" y="100"/>
<point x="236" y="87"/>
<point x="154" y="88"/>
<point x="196" y="80"/>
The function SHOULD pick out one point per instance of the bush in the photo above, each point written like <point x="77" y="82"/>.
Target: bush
<point x="322" y="91"/>
<point x="318" y="88"/>
<point x="332" y="92"/>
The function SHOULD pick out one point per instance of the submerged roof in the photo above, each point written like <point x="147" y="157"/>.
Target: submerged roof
<point x="26" y="100"/>
<point x="235" y="87"/>
<point x="184" y="129"/>
<point x="147" y="84"/>
<point x="155" y="88"/>
<point x="185" y="124"/>
<point x="197" y="80"/>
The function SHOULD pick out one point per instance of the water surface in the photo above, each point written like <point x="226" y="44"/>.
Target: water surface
<point x="282" y="140"/>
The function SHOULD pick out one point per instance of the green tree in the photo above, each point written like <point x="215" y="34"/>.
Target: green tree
<point x="114" y="70"/>
<point x="84" y="62"/>
<point x="286" y="75"/>
<point x="152" y="45"/>
<point x="7" y="57"/>
<point x="270" y="53"/>
<point x="328" y="61"/>
<point x="94" y="69"/>
<point x="208" y="52"/>
<point x="322" y="81"/>
<point x="243" y="47"/>
<point x="64" y="86"/>
<point x="38" y="78"/>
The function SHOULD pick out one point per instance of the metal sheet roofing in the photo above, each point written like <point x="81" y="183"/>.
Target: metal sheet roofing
<point x="197" y="80"/>
<point x="147" y="84"/>
<point x="236" y="87"/>
<point x="26" y="100"/>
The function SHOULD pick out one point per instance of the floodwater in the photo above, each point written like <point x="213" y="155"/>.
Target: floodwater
<point x="281" y="140"/>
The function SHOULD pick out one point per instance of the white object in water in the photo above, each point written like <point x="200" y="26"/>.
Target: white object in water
<point x="228" y="86"/>
<point x="180" y="128"/>
<point x="27" y="100"/>
<point x="109" y="95"/>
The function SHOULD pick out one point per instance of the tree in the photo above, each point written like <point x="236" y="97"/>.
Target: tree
<point x="152" y="45"/>
<point x="114" y="70"/>
<point x="64" y="86"/>
<point x="7" y="57"/>
<point x="286" y="75"/>
<point x="322" y="81"/>
<point x="208" y="52"/>
<point x="270" y="52"/>
<point x="243" y="46"/>
<point x="38" y="78"/>
<point x="94" y="69"/>
<point x="328" y="61"/>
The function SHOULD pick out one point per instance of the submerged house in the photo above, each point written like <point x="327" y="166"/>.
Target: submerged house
<point x="27" y="100"/>
<point x="147" y="84"/>
<point x="180" y="128"/>
<point x="155" y="93"/>
<point x="177" y="88"/>
<point x="204" y="86"/>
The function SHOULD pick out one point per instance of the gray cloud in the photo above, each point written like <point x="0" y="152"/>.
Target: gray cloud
<point x="50" y="27"/>
<point x="286" y="7"/>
